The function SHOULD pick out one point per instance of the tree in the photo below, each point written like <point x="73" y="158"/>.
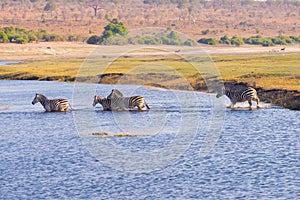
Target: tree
<point x="114" y="28"/>
<point x="113" y="32"/>
<point x="96" y="5"/>
<point x="50" y="6"/>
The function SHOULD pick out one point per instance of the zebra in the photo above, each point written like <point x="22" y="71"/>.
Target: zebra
<point x="52" y="104"/>
<point x="106" y="103"/>
<point x="122" y="103"/>
<point x="239" y="94"/>
<point x="115" y="94"/>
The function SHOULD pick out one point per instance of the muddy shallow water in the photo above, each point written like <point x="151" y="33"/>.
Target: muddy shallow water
<point x="187" y="146"/>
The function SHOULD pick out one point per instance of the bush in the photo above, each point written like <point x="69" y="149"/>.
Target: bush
<point x="235" y="40"/>
<point x="225" y="40"/>
<point x="114" y="28"/>
<point x="53" y="38"/>
<point x="210" y="41"/>
<point x="190" y="42"/>
<point x="22" y="39"/>
<point x="267" y="42"/>
<point x="3" y="37"/>
<point x="94" y="39"/>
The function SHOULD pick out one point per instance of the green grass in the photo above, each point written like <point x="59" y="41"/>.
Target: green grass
<point x="266" y="71"/>
<point x="269" y="72"/>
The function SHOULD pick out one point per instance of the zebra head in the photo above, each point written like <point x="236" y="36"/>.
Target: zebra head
<point x="37" y="98"/>
<point x="114" y="94"/>
<point x="221" y="92"/>
<point x="97" y="99"/>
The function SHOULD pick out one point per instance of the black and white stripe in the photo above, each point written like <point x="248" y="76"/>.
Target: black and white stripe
<point x="125" y="103"/>
<point x="115" y="94"/>
<point x="122" y="103"/>
<point x="49" y="105"/>
<point x="106" y="103"/>
<point x="239" y="94"/>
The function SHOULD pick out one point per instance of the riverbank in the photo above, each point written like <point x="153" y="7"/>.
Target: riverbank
<point x="274" y="73"/>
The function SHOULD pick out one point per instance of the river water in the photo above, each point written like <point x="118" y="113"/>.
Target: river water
<point x="187" y="146"/>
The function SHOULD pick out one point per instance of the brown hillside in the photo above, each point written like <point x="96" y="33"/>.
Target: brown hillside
<point x="207" y="19"/>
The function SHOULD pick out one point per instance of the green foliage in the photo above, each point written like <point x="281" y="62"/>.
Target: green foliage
<point x="3" y="37"/>
<point x="253" y="40"/>
<point x="21" y="39"/>
<point x="190" y="42"/>
<point x="114" y="28"/>
<point x="210" y="41"/>
<point x="53" y="38"/>
<point x="235" y="40"/>
<point x="168" y="37"/>
<point x="22" y="36"/>
<point x="225" y="40"/>
<point x="113" y="33"/>
<point x="94" y="39"/>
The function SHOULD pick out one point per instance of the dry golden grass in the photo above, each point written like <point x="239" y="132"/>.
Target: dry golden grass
<point x="70" y="60"/>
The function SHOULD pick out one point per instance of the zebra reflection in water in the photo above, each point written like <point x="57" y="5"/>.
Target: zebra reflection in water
<point x="239" y="94"/>
<point x="52" y="105"/>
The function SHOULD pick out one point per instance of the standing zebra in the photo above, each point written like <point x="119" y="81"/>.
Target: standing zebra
<point x="122" y="103"/>
<point x="52" y="104"/>
<point x="239" y="94"/>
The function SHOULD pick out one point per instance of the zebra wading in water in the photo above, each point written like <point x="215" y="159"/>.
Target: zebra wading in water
<point x="121" y="103"/>
<point x="239" y="94"/>
<point x="58" y="105"/>
<point x="103" y="101"/>
<point x="115" y="94"/>
<point x="106" y="102"/>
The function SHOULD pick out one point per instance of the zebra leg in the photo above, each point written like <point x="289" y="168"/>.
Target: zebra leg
<point x="232" y="104"/>
<point x="147" y="105"/>
<point x="141" y="106"/>
<point x="250" y="103"/>
<point x="71" y="107"/>
<point x="257" y="102"/>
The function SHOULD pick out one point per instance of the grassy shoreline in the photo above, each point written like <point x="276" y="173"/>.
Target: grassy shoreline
<point x="276" y="76"/>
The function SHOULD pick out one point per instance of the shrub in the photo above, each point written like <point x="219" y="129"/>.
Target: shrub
<point x="53" y="37"/>
<point x="235" y="40"/>
<point x="190" y="42"/>
<point x="22" y="39"/>
<point x="210" y="41"/>
<point x="3" y="37"/>
<point x="94" y="39"/>
<point x="267" y="42"/>
<point x="225" y="40"/>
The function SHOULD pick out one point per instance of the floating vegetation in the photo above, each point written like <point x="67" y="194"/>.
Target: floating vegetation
<point x="105" y="134"/>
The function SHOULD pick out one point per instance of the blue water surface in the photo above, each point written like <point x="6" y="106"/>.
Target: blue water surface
<point x="52" y="156"/>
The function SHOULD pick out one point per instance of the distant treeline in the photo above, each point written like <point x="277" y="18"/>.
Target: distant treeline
<point x="116" y="34"/>
<point x="254" y="40"/>
<point x="20" y="35"/>
<point x="167" y="37"/>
